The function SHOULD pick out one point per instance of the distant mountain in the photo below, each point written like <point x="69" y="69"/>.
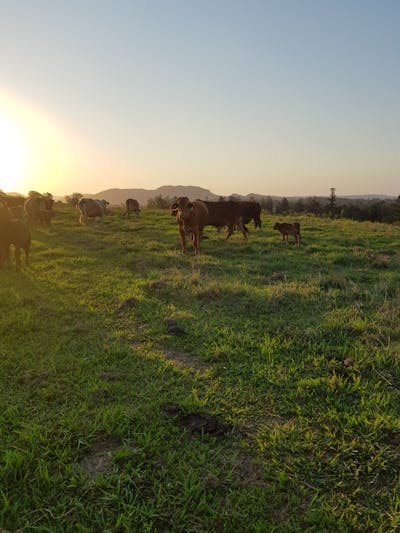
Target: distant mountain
<point x="118" y="196"/>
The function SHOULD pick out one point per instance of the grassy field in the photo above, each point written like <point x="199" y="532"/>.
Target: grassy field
<point x="293" y="351"/>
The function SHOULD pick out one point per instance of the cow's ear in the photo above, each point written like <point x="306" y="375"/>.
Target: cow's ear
<point x="191" y="206"/>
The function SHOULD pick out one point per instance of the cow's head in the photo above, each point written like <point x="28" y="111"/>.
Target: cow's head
<point x="174" y="209"/>
<point x="277" y="226"/>
<point x="184" y="207"/>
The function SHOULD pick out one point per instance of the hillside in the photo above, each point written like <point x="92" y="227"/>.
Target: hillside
<point x="118" y="196"/>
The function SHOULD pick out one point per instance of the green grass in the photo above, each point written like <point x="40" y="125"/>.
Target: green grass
<point x="314" y="446"/>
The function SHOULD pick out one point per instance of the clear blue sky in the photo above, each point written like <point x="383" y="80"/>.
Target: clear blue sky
<point x="282" y="97"/>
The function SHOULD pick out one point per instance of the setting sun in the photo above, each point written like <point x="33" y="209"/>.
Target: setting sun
<point x="38" y="152"/>
<point x="14" y="153"/>
<point x="34" y="149"/>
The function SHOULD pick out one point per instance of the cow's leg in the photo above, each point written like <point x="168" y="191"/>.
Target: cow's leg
<point x="17" y="258"/>
<point x="7" y="256"/>
<point x="196" y="241"/>
<point x="26" y="255"/>
<point x="242" y="228"/>
<point x="229" y="231"/>
<point x="183" y="239"/>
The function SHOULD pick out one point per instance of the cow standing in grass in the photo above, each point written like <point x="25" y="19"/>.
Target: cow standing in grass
<point x="132" y="206"/>
<point x="191" y="217"/>
<point x="233" y="215"/>
<point x="289" y="229"/>
<point x="13" y="231"/>
<point x="39" y="208"/>
<point x="90" y="209"/>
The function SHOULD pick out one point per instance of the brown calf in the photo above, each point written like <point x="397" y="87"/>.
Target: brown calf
<point x="289" y="229"/>
<point x="191" y="217"/>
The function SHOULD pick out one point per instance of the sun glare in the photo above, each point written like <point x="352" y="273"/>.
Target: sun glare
<point x="33" y="149"/>
<point x="13" y="153"/>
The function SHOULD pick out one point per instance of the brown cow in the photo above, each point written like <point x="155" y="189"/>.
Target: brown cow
<point x="234" y="214"/>
<point x="191" y="217"/>
<point x="231" y="214"/>
<point x="12" y="201"/>
<point x="289" y="229"/>
<point x="251" y="210"/>
<point x="14" y="232"/>
<point x="132" y="206"/>
<point x="39" y="207"/>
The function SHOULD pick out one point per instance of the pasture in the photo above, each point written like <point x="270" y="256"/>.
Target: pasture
<point x="294" y="351"/>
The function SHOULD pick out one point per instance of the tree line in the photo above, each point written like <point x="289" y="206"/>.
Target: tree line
<point x="373" y="210"/>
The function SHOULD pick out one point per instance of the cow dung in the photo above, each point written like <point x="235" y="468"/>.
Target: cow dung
<point x="173" y="327"/>
<point x="197" y="422"/>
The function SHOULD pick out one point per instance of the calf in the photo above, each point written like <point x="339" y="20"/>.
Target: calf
<point x="191" y="217"/>
<point x="289" y="229"/>
<point x="132" y="206"/>
<point x="14" y="232"/>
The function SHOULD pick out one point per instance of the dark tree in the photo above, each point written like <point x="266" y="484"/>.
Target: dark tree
<point x="267" y="204"/>
<point x="298" y="206"/>
<point x="397" y="210"/>
<point x="332" y="210"/>
<point x="314" y="206"/>
<point x="282" y="207"/>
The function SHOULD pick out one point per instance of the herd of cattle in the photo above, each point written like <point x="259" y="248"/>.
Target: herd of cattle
<point x="17" y="213"/>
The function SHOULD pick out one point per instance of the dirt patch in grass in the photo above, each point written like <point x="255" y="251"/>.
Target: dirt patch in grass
<point x="209" y="295"/>
<point x="249" y="473"/>
<point x="128" y="303"/>
<point x="186" y="361"/>
<point x="113" y="376"/>
<point x="99" y="459"/>
<point x="101" y="395"/>
<point x="157" y="285"/>
<point x="38" y="380"/>
<point x="267" y="421"/>
<point x="197" y="422"/>
<point x="381" y="261"/>
<point x="275" y="277"/>
<point x="172" y="327"/>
